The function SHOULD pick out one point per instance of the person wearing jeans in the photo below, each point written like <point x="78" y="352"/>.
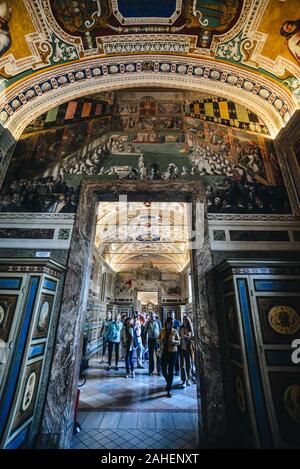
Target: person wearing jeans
<point x="176" y="325"/>
<point x="104" y="331"/>
<point x="186" y="350"/>
<point x="169" y="341"/>
<point x="138" y="332"/>
<point x="127" y="339"/>
<point x="113" y="339"/>
<point x="152" y="330"/>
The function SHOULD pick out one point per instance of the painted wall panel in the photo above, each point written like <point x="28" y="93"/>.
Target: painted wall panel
<point x="266" y="305"/>
<point x="21" y="385"/>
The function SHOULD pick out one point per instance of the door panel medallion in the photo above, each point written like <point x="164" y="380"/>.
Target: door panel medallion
<point x="284" y="320"/>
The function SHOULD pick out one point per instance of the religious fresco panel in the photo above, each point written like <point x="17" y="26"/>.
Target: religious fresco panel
<point x="141" y="135"/>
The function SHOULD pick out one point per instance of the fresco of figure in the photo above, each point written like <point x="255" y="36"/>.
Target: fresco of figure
<point x="5" y="37"/>
<point x="291" y="30"/>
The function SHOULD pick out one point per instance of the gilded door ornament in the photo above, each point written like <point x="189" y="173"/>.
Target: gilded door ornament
<point x="284" y="320"/>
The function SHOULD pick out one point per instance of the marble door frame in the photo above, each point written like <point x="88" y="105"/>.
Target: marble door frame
<point x="58" y="417"/>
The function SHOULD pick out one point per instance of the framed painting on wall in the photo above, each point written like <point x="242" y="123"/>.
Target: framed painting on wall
<point x="8" y="305"/>
<point x="28" y="394"/>
<point x="43" y="317"/>
<point x="249" y="153"/>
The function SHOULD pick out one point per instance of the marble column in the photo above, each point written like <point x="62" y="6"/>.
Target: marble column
<point x="58" y="419"/>
<point x="208" y="357"/>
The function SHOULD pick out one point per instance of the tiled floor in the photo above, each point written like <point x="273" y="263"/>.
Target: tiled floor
<point x="120" y="413"/>
<point x="110" y="390"/>
<point x="135" y="439"/>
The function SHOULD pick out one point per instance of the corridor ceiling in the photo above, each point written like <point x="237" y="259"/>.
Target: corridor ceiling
<point x="52" y="51"/>
<point x="129" y="235"/>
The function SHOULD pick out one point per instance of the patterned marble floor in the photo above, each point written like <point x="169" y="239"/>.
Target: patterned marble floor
<point x="120" y="413"/>
<point x="110" y="390"/>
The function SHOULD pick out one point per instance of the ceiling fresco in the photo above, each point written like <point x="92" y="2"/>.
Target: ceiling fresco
<point x="130" y="233"/>
<point x="90" y="20"/>
<point x="247" y="48"/>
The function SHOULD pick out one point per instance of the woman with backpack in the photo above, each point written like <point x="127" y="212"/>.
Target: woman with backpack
<point x="128" y="340"/>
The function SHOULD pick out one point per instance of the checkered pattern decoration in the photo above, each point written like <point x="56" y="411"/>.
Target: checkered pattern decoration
<point x="222" y="111"/>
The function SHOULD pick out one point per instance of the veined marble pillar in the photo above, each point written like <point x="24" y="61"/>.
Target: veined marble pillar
<point x="58" y="419"/>
<point x="208" y="358"/>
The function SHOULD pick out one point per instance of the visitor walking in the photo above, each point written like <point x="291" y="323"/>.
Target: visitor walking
<point x="176" y="325"/>
<point x="186" y="350"/>
<point x="152" y="330"/>
<point x="169" y="341"/>
<point x="113" y="340"/>
<point x="128" y="342"/>
<point x="103" y="333"/>
<point x="144" y="321"/>
<point x="138" y="335"/>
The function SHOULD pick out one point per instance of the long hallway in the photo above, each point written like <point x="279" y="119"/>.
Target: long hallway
<point x="119" y="413"/>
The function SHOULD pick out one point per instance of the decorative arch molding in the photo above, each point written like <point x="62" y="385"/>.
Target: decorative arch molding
<point x="33" y="96"/>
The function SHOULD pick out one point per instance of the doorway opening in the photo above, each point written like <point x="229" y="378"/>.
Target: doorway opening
<point x="141" y="270"/>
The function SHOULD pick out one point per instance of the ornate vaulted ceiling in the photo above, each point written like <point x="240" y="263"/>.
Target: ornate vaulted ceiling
<point x="55" y="50"/>
<point x="129" y="234"/>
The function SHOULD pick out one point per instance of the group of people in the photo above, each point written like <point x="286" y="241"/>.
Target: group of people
<point x="44" y="194"/>
<point x="209" y="162"/>
<point x="245" y="196"/>
<point x="170" y="347"/>
<point x="89" y="164"/>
